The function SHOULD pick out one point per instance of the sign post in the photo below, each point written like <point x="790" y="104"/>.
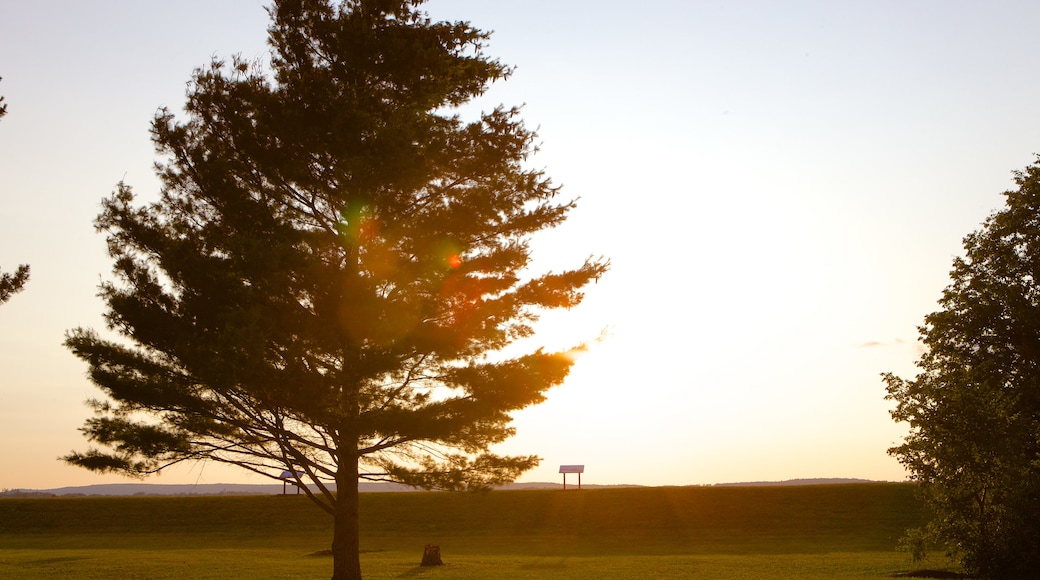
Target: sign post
<point x="565" y="469"/>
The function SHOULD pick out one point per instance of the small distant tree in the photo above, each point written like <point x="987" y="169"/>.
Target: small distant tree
<point x="974" y="408"/>
<point x="333" y="270"/>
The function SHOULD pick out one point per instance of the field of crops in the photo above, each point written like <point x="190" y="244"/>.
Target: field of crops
<point x="827" y="531"/>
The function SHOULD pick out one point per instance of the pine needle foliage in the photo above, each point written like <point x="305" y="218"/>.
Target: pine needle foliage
<point x="14" y="282"/>
<point x="334" y="267"/>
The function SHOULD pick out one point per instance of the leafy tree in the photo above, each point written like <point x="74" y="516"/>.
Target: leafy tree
<point x="334" y="269"/>
<point x="974" y="407"/>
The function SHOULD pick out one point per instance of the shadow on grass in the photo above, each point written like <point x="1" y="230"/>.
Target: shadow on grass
<point x="547" y="564"/>
<point x="50" y="561"/>
<point x="328" y="553"/>
<point x="928" y="574"/>
<point x="420" y="571"/>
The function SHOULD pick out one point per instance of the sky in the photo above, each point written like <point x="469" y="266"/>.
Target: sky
<point x="780" y="188"/>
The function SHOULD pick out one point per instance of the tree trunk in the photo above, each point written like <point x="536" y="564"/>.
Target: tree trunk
<point x="346" y="537"/>
<point x="431" y="556"/>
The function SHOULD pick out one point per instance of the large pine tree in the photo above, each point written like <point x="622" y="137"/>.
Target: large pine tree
<point x="333" y="269"/>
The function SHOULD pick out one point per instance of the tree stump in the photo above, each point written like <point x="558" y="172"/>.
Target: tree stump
<point x="432" y="556"/>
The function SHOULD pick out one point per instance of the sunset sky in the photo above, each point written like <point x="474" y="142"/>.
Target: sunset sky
<point x="780" y="187"/>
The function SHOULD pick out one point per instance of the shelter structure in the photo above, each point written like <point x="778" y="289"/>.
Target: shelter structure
<point x="565" y="469"/>
<point x="290" y="477"/>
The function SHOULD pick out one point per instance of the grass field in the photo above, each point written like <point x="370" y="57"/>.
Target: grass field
<point x="838" y="531"/>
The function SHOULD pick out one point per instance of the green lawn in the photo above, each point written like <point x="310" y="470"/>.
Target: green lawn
<point x="839" y="531"/>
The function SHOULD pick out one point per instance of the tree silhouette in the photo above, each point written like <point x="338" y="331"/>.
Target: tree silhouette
<point x="11" y="283"/>
<point x="334" y="269"/>
<point x="974" y="408"/>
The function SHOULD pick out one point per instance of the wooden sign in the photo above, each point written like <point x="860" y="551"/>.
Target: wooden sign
<point x="565" y="469"/>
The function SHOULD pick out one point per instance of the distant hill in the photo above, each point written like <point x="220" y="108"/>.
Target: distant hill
<point x="150" y="489"/>
<point x="277" y="489"/>
<point x="814" y="481"/>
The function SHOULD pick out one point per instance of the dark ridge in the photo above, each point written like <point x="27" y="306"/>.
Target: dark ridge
<point x="786" y="482"/>
<point x="156" y="489"/>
